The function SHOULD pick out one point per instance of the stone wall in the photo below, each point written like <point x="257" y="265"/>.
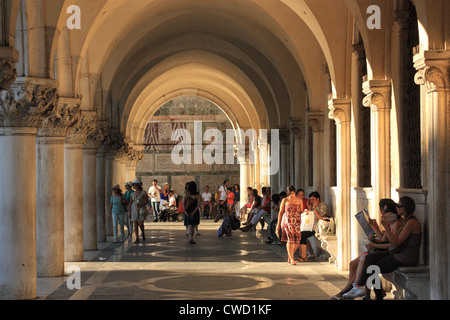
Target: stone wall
<point x="157" y="163"/>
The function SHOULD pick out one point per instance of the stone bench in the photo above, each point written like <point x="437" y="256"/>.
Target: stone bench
<point x="415" y="281"/>
<point x="329" y="244"/>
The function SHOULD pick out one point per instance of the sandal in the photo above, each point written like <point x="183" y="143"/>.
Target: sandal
<point x="192" y="242"/>
<point x="300" y="259"/>
<point x="293" y="262"/>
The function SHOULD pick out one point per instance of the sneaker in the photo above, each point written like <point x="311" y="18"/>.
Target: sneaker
<point x="356" y="292"/>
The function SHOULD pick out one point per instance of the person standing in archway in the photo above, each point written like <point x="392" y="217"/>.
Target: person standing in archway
<point x="139" y="199"/>
<point x="155" y="194"/>
<point x="191" y="206"/>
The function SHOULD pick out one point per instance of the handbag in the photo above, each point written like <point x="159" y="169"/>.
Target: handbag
<point x="307" y="221"/>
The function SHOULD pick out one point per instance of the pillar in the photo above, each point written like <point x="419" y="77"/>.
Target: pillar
<point x="50" y="190"/>
<point x="284" y="160"/>
<point x="24" y="105"/>
<point x="108" y="191"/>
<point x="73" y="186"/>
<point x="340" y="113"/>
<point x="378" y="99"/>
<point x="101" y="195"/>
<point x="433" y="74"/>
<point x="297" y="130"/>
<point x="316" y="122"/>
<point x="90" y="198"/>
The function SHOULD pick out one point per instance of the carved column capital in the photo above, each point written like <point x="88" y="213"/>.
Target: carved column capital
<point x="134" y="156"/>
<point x="117" y="146"/>
<point x="378" y="94"/>
<point x="284" y="136"/>
<point x="27" y="102"/>
<point x="339" y="110"/>
<point x="79" y="133"/>
<point x="8" y="74"/>
<point x="433" y="69"/>
<point x="316" y="121"/>
<point x="297" y="128"/>
<point x="66" y="115"/>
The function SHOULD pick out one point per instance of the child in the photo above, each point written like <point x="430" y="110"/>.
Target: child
<point x="226" y="228"/>
<point x="230" y="199"/>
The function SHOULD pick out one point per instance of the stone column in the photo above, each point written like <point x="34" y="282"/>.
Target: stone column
<point x="108" y="191"/>
<point x="73" y="186"/>
<point x="340" y="113"/>
<point x="50" y="190"/>
<point x="90" y="198"/>
<point x="134" y="155"/>
<point x="378" y="98"/>
<point x="90" y="190"/>
<point x="298" y="132"/>
<point x="284" y="160"/>
<point x="101" y="195"/>
<point x="433" y="74"/>
<point x="23" y="107"/>
<point x="316" y="122"/>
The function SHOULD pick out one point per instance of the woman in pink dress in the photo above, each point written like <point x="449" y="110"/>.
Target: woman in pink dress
<point x="289" y="221"/>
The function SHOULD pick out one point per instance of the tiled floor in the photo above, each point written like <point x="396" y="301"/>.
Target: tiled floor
<point x="166" y="267"/>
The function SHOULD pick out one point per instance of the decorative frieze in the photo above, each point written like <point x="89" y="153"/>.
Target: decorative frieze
<point x="28" y="102"/>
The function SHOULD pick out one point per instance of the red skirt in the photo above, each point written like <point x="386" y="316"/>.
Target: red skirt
<point x="290" y="226"/>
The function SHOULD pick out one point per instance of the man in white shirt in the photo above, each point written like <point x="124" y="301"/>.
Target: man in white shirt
<point x="206" y="199"/>
<point x="155" y="194"/>
<point x="223" y="192"/>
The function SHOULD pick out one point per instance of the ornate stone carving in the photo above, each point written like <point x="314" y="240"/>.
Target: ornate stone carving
<point x="67" y="115"/>
<point x="97" y="137"/>
<point x="316" y="122"/>
<point x="134" y="156"/>
<point x="116" y="144"/>
<point x="339" y="110"/>
<point x="378" y="94"/>
<point x="431" y="77"/>
<point x="79" y="133"/>
<point x="27" y="102"/>
<point x="8" y="74"/>
<point x="297" y="128"/>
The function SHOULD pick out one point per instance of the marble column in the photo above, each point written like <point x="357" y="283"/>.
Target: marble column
<point x="134" y="155"/>
<point x="298" y="132"/>
<point x="316" y="122"/>
<point x="50" y="190"/>
<point x="24" y="105"/>
<point x="434" y="74"/>
<point x="284" y="160"/>
<point x="378" y="98"/>
<point x="90" y="199"/>
<point x="340" y="112"/>
<point x="101" y="195"/>
<point x="73" y="186"/>
<point x="108" y="191"/>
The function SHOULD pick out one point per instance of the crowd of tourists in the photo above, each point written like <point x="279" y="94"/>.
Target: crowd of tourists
<point x="290" y="217"/>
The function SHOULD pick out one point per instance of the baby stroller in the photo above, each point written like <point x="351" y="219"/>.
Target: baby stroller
<point x="174" y="215"/>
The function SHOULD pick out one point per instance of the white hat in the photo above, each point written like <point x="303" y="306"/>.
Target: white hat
<point x="136" y="182"/>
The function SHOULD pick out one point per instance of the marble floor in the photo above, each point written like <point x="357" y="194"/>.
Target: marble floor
<point x="166" y="267"/>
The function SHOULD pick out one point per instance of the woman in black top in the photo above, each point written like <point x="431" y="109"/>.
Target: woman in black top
<point x="191" y="206"/>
